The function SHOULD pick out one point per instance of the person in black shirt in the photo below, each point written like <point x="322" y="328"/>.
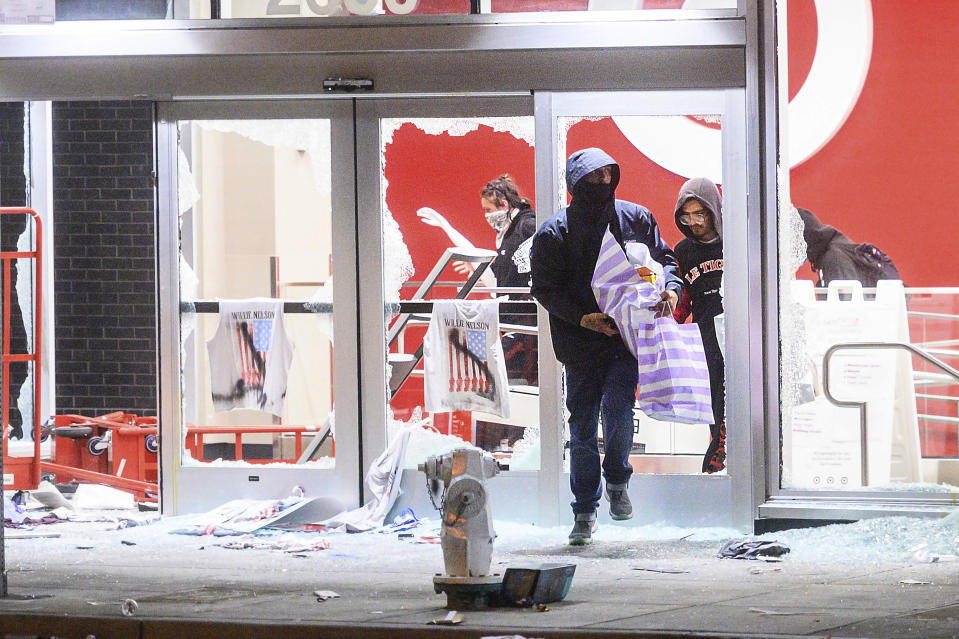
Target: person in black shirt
<point x="513" y="219"/>
<point x="699" y="215"/>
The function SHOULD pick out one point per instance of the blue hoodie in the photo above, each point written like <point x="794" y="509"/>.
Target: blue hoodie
<point x="563" y="257"/>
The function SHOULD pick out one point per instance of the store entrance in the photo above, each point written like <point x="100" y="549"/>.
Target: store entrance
<point x="353" y="216"/>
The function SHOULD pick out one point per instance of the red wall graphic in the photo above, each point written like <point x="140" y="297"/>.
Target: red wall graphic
<point x="885" y="177"/>
<point x="894" y="161"/>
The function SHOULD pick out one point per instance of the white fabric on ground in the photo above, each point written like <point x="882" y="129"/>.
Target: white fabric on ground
<point x="383" y="481"/>
<point x="98" y="496"/>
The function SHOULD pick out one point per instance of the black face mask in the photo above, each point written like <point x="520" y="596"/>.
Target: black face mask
<point x="595" y="194"/>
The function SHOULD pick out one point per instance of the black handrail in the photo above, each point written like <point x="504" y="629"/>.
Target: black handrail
<point x="516" y="307"/>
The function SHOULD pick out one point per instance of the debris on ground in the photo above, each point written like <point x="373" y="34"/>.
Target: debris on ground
<point x="382" y="478"/>
<point x="50" y="496"/>
<point x="30" y="534"/>
<point x="406" y="520"/>
<point x="922" y="555"/>
<point x="323" y="595"/>
<point x="667" y="571"/>
<point x="128" y="607"/>
<point x="126" y="522"/>
<point x="783" y="613"/>
<point x="752" y="549"/>
<point x="913" y="582"/>
<point x="289" y="543"/>
<point x="297" y="527"/>
<point x="452" y="618"/>
<point x="15" y="515"/>
<point x="243" y="516"/>
<point x="101" y="497"/>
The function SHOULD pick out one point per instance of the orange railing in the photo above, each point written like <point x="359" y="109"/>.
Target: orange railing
<point x="195" y="433"/>
<point x="25" y="470"/>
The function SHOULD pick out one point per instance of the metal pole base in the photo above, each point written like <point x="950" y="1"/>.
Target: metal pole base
<point x="469" y="593"/>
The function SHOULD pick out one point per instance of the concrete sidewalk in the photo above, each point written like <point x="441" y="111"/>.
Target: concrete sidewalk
<point x="186" y="587"/>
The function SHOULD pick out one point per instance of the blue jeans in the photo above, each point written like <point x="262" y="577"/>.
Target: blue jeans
<point x="610" y="387"/>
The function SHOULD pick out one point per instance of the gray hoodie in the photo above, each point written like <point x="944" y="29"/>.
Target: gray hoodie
<point x="701" y="263"/>
<point x="705" y="192"/>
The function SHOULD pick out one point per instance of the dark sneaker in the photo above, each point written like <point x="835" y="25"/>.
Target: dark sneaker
<point x="583" y="528"/>
<point x="620" y="507"/>
<point x="715" y="459"/>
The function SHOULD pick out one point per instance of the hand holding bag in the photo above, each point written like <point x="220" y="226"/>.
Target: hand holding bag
<point x="673" y="378"/>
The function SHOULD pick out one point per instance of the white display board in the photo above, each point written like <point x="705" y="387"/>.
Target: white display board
<point x="27" y="11"/>
<point x="822" y="446"/>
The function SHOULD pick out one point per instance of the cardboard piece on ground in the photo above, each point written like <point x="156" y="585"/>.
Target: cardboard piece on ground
<point x="244" y="516"/>
<point x="314" y="510"/>
<point x="50" y="496"/>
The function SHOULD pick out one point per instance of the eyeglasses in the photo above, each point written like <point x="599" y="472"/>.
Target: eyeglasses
<point x="686" y="218"/>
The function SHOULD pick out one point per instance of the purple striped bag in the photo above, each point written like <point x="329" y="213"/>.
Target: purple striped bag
<point x="673" y="378"/>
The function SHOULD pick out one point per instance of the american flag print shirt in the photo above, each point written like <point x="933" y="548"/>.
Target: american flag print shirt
<point x="464" y="367"/>
<point x="250" y="355"/>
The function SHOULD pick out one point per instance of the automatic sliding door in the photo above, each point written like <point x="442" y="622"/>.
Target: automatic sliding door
<point x="446" y="182"/>
<point x="265" y="229"/>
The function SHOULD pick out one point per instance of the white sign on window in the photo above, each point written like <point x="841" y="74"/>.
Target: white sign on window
<point x="27" y="11"/>
<point x="825" y="440"/>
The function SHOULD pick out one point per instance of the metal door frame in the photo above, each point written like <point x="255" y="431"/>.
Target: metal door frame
<point x="192" y="488"/>
<point x="373" y="389"/>
<point x="725" y="500"/>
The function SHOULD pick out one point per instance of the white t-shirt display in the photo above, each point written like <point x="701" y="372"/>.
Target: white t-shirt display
<point x="250" y="355"/>
<point x="463" y="358"/>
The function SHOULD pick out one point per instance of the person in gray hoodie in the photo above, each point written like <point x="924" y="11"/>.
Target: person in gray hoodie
<point x="699" y="215"/>
<point x="601" y="373"/>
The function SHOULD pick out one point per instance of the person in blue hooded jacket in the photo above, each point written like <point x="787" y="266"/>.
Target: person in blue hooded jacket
<point x="601" y="373"/>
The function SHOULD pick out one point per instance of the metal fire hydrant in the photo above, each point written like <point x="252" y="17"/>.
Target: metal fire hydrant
<point x="466" y="533"/>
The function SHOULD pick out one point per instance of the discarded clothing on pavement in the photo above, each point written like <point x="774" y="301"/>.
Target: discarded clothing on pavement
<point x="383" y="480"/>
<point x="755" y="549"/>
<point x="406" y="520"/>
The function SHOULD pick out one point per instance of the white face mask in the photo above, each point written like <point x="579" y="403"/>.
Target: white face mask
<point x="499" y="220"/>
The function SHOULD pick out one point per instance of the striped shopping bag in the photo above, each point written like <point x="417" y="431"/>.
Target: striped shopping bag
<point x="620" y="292"/>
<point x="673" y="378"/>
